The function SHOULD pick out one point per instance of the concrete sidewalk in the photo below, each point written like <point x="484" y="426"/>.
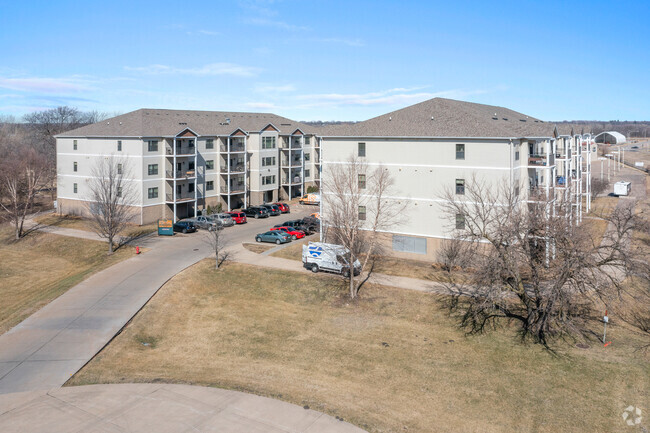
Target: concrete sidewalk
<point x="47" y="348"/>
<point x="144" y="408"/>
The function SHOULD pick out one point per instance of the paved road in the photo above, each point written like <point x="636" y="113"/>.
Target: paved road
<point x="47" y="348"/>
<point x="157" y="408"/>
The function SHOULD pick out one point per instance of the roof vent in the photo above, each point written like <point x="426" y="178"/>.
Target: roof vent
<point x="505" y="118"/>
<point x="120" y="123"/>
<point x="522" y="120"/>
<point x="182" y="123"/>
<point x="227" y="120"/>
<point x="390" y="118"/>
<point x="108" y="123"/>
<point x="431" y="117"/>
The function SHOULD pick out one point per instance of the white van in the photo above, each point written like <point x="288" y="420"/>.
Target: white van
<point x="318" y="256"/>
<point x="622" y="188"/>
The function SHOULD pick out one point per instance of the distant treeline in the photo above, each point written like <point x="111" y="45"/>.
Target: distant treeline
<point x="629" y="128"/>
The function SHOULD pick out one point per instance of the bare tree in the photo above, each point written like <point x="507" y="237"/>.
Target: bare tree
<point x="598" y="187"/>
<point x="355" y="210"/>
<point x="531" y="267"/>
<point x="110" y="199"/>
<point x="22" y="170"/>
<point x="218" y="242"/>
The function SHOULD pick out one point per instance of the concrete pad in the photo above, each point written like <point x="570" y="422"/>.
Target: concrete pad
<point x="59" y="417"/>
<point x="327" y="424"/>
<point x="229" y="421"/>
<point x="6" y="367"/>
<point x="32" y="374"/>
<point x="9" y="402"/>
<point x="19" y="344"/>
<point x="105" y="401"/>
<point x="284" y="416"/>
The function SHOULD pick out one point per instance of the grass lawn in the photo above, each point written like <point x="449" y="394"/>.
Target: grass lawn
<point x="78" y="223"/>
<point x="42" y="266"/>
<point x="257" y="248"/>
<point x="391" y="361"/>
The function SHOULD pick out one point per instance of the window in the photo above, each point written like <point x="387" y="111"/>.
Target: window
<point x="460" y="151"/>
<point x="119" y="191"/>
<point x="362" y="213"/>
<point x="74" y="144"/>
<point x="152" y="169"/>
<point x="152" y="145"/>
<point x="190" y="165"/>
<point x="516" y="155"/>
<point x="190" y="187"/>
<point x="74" y="188"/>
<point x="307" y="140"/>
<point x="191" y="143"/>
<point x="307" y="174"/>
<point x="307" y="157"/>
<point x="209" y="143"/>
<point x="119" y="145"/>
<point x="119" y="168"/>
<point x="209" y="185"/>
<point x="153" y="192"/>
<point x="269" y="160"/>
<point x="74" y="166"/>
<point x="408" y="244"/>
<point x="516" y="190"/>
<point x="209" y="165"/>
<point x="268" y="180"/>
<point x="179" y="189"/>
<point x="460" y="221"/>
<point x="362" y="181"/>
<point x="362" y="149"/>
<point x="460" y="186"/>
<point x="268" y="142"/>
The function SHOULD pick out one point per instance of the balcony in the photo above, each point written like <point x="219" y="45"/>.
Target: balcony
<point x="296" y="180"/>
<point x="537" y="160"/>
<point x="234" y="189"/>
<point x="234" y="148"/>
<point x="180" y="198"/>
<point x="180" y="174"/>
<point x="181" y="151"/>
<point x="225" y="169"/>
<point x="294" y="162"/>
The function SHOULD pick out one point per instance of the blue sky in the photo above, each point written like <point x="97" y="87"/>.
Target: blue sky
<point x="327" y="60"/>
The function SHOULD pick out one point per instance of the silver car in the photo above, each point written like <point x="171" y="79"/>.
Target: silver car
<point x="204" y="222"/>
<point x="223" y="219"/>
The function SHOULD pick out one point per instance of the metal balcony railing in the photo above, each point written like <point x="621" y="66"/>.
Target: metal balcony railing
<point x="180" y="174"/>
<point x="234" y="189"/>
<point x="233" y="148"/>
<point x="539" y="160"/>
<point x="232" y="169"/>
<point x="188" y="196"/>
<point x="180" y="150"/>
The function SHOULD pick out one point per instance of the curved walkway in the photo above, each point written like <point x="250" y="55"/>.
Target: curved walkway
<point x="157" y="408"/>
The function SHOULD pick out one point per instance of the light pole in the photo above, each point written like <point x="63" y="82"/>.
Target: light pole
<point x="609" y="159"/>
<point x="602" y="160"/>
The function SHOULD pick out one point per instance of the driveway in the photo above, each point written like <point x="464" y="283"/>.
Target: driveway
<point x="144" y="408"/>
<point x="46" y="349"/>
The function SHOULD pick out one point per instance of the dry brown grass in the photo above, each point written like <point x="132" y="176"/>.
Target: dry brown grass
<point x="78" y="223"/>
<point x="42" y="266"/>
<point x="293" y="336"/>
<point x="293" y="251"/>
<point x="257" y="248"/>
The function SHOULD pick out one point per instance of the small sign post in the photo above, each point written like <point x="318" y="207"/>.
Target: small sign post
<point x="605" y="320"/>
<point x="165" y="228"/>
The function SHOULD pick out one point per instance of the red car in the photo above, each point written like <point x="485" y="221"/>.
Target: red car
<point x="295" y="234"/>
<point x="238" y="217"/>
<point x="284" y="208"/>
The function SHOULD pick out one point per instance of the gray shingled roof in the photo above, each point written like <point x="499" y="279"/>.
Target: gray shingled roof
<point x="440" y="117"/>
<point x="165" y="123"/>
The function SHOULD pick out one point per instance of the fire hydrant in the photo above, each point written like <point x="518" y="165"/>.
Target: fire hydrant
<point x="137" y="250"/>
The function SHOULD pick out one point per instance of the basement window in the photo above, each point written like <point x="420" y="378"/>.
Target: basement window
<point x="409" y="244"/>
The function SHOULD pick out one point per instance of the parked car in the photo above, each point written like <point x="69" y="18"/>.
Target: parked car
<point x="203" y="222"/>
<point x="273" y="210"/>
<point x="238" y="217"/>
<point x="298" y="225"/>
<point x="295" y="234"/>
<point x="256" y="212"/>
<point x="284" y="208"/>
<point x="224" y="219"/>
<point x="318" y="256"/>
<point x="277" y="236"/>
<point x="184" y="226"/>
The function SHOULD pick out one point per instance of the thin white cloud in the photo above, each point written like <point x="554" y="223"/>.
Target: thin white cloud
<point x="275" y="89"/>
<point x="275" y="23"/>
<point x="206" y="70"/>
<point x="203" y="32"/>
<point x="343" y="41"/>
<point x="43" y="85"/>
<point x="264" y="106"/>
<point x="396" y="96"/>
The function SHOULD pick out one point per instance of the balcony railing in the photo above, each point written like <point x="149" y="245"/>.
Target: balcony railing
<point x="232" y="169"/>
<point x="189" y="196"/>
<point x="295" y="180"/>
<point x="233" y="148"/>
<point x="234" y="189"/>
<point x="295" y="162"/>
<point x="180" y="174"/>
<point x="539" y="160"/>
<point x="180" y="150"/>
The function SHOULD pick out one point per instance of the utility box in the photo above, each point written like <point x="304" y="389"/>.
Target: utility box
<point x="622" y="188"/>
<point x="165" y="228"/>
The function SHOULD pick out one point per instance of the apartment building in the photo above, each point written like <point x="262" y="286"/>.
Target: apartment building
<point x="179" y="161"/>
<point x="441" y="144"/>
